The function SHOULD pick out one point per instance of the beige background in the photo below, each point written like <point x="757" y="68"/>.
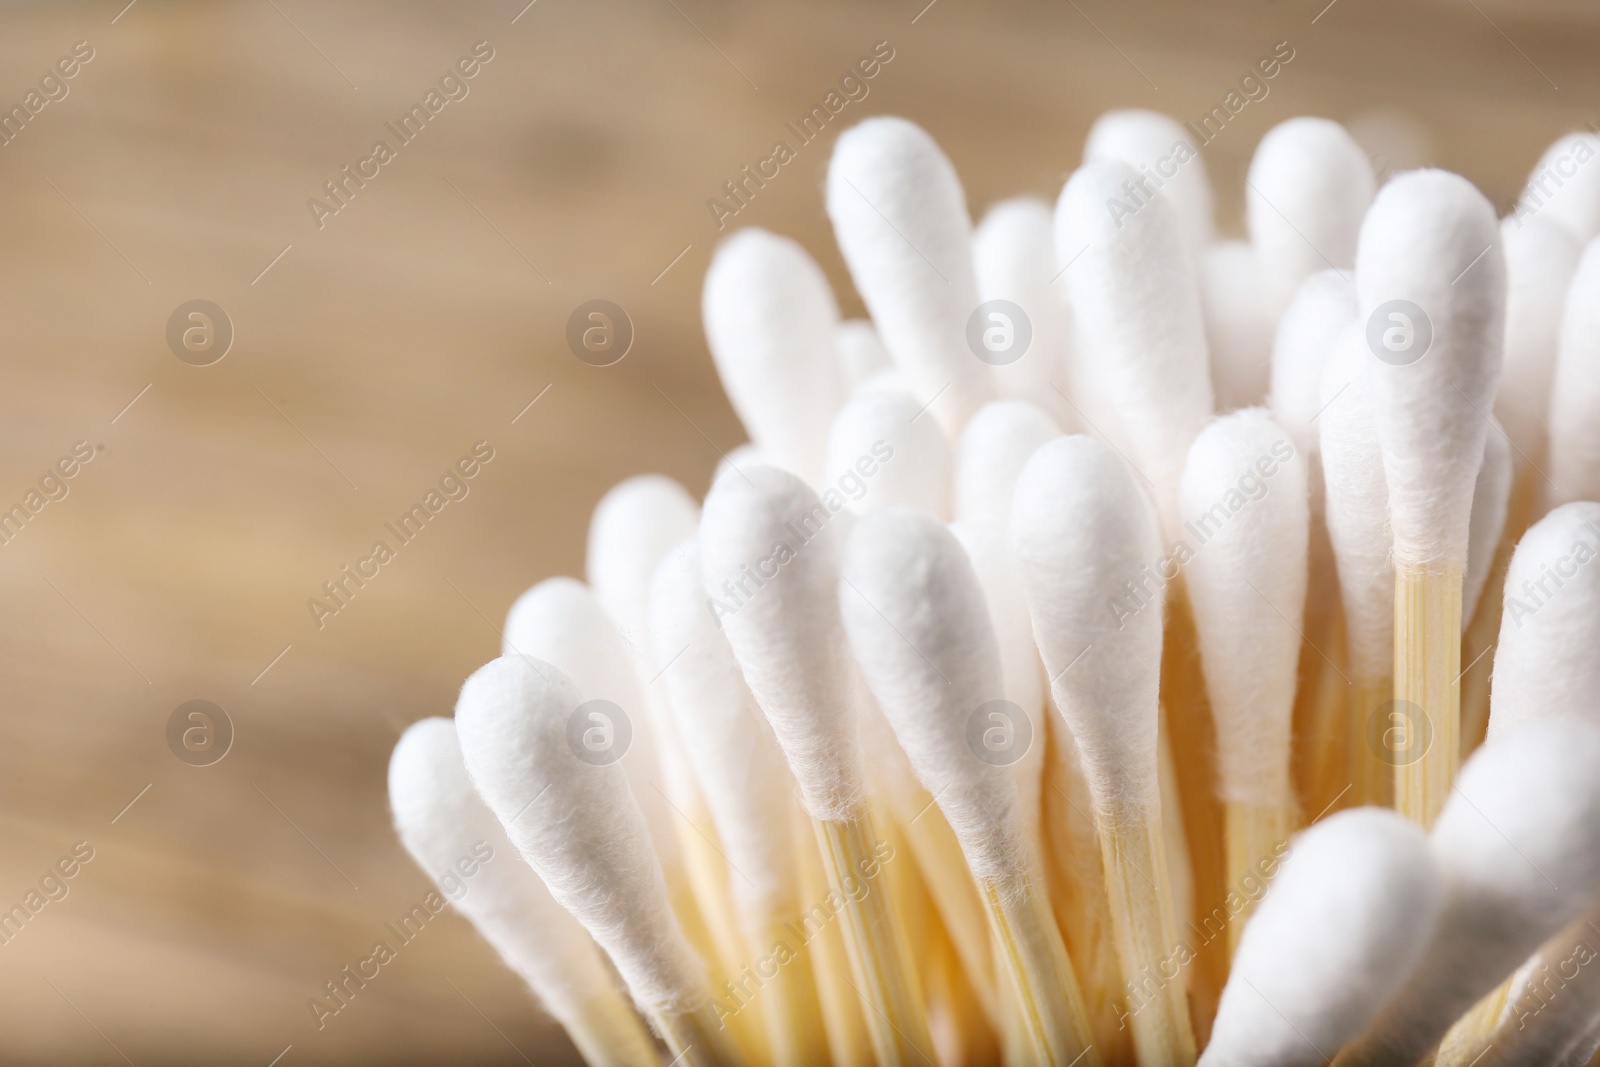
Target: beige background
<point x="415" y="323"/>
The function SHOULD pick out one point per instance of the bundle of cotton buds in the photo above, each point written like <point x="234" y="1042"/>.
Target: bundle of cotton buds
<point x="1070" y="669"/>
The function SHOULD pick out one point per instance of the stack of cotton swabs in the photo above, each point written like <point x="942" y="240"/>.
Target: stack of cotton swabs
<point x="1101" y="606"/>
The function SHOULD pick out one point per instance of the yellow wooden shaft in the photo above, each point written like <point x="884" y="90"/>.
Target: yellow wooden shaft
<point x="1371" y="765"/>
<point x="1427" y="689"/>
<point x="1153" y="961"/>
<point x="791" y="1009"/>
<point x="1048" y="1000"/>
<point x="607" y="1033"/>
<point x="1255" y="836"/>
<point x="848" y="1041"/>
<point x="876" y="944"/>
<point x="696" y="1039"/>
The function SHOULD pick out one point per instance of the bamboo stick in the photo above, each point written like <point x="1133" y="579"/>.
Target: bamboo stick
<point x="875" y="943"/>
<point x="1427" y="672"/>
<point x="713" y="932"/>
<point x="1048" y="1001"/>
<point x="1078" y="892"/>
<point x="849" y="1044"/>
<point x="1255" y="833"/>
<point x="1468" y="1040"/>
<point x="695" y="1038"/>
<point x="707" y="873"/>
<point x="1321" y="758"/>
<point x="938" y="856"/>
<point x="961" y="1033"/>
<point x="791" y="1010"/>
<point x="1372" y="766"/>
<point x="1134" y="856"/>
<point x="607" y="1033"/>
<point x="1188" y="720"/>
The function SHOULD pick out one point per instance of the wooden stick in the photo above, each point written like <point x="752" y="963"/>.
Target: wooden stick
<point x="714" y="933"/>
<point x="1180" y="870"/>
<point x="1134" y="855"/>
<point x="1078" y="892"/>
<point x="796" y="1033"/>
<point x="695" y="1038"/>
<point x="1427" y="675"/>
<point x="938" y="856"/>
<point x="961" y="1032"/>
<point x="1016" y="1046"/>
<point x="707" y="873"/>
<point x="1188" y="720"/>
<point x="607" y="1033"/>
<point x="1321" y="760"/>
<point x="744" y="1030"/>
<point x="1255" y="833"/>
<point x="875" y="943"/>
<point x="1371" y="767"/>
<point x="848" y="1041"/>
<point x="1332" y="772"/>
<point x="1049" y="1002"/>
<point x="1469" y="1039"/>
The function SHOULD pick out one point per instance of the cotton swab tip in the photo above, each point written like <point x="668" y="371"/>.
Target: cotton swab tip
<point x="1349" y="915"/>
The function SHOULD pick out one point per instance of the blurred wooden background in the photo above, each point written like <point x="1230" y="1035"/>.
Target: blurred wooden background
<point x="420" y="319"/>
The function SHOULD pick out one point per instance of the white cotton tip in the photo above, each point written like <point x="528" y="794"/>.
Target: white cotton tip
<point x="1541" y="256"/>
<point x="991" y="453"/>
<point x="734" y="755"/>
<point x="919" y="627"/>
<point x="461" y="845"/>
<point x="893" y="783"/>
<point x="987" y="541"/>
<point x="770" y="320"/>
<point x="1246" y="523"/>
<point x="1356" y="504"/>
<point x="1565" y="187"/>
<point x="1348" y="917"/>
<point x="1310" y="183"/>
<point x="1161" y="150"/>
<point x="1239" y="323"/>
<point x="1431" y="280"/>
<point x="560" y="621"/>
<point x="577" y="823"/>
<point x="1575" y="396"/>
<point x="900" y="218"/>
<point x="1519" y="844"/>
<point x="632" y="528"/>
<point x="860" y="352"/>
<point x="1545" y="666"/>
<point x="884" y="450"/>
<point x="1089" y="550"/>
<point x="1323" y="306"/>
<point x="1014" y="255"/>
<point x="1491" y="497"/>
<point x="771" y="567"/>
<point x="1139" y="332"/>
